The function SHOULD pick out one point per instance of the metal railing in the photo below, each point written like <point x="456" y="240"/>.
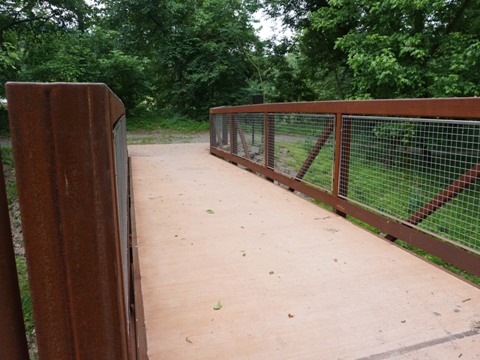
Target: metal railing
<point x="410" y="168"/>
<point x="70" y="151"/>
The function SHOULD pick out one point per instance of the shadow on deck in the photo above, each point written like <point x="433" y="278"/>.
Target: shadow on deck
<point x="294" y="280"/>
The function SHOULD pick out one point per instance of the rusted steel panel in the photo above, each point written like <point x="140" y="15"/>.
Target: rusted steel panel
<point x="13" y="342"/>
<point x="466" y="108"/>
<point x="62" y="141"/>
<point x="451" y="254"/>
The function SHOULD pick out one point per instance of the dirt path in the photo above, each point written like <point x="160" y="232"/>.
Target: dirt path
<point x="166" y="137"/>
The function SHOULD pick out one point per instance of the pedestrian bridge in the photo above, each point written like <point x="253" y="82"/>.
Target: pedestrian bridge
<point x="278" y="240"/>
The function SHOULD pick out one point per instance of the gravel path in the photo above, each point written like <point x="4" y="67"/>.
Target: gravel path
<point x="166" y="137"/>
<point x="158" y="137"/>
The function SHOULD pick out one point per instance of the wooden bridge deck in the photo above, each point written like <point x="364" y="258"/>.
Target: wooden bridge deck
<point x="294" y="280"/>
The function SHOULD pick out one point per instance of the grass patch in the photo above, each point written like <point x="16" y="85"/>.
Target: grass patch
<point x="11" y="190"/>
<point x="10" y="184"/>
<point x="26" y="299"/>
<point x="152" y="123"/>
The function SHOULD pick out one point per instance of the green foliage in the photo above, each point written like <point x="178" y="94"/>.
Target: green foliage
<point x="4" y="128"/>
<point x="11" y="185"/>
<point x="386" y="49"/>
<point x="198" y="58"/>
<point x="185" y="57"/>
<point x="74" y="56"/>
<point x="25" y="296"/>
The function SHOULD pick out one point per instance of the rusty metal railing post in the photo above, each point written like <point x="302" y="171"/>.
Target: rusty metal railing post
<point x="233" y="136"/>
<point x="65" y="164"/>
<point x="266" y="143"/>
<point x="337" y="168"/>
<point x="13" y="341"/>
<point x="346" y="130"/>
<point x="212" y="131"/>
<point x="225" y="134"/>
<point x="270" y="133"/>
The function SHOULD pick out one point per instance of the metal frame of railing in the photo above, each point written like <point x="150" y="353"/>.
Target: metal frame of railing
<point x="69" y="146"/>
<point x="263" y="124"/>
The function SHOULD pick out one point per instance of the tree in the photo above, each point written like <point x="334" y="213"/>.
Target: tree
<point x="93" y="56"/>
<point x="388" y="48"/>
<point x="25" y="18"/>
<point x="200" y="59"/>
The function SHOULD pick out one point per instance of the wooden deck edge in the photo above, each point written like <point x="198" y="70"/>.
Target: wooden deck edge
<point x="140" y="330"/>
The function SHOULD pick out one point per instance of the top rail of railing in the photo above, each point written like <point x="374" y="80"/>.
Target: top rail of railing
<point x="467" y="108"/>
<point x="409" y="167"/>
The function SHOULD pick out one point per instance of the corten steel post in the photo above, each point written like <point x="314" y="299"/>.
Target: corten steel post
<point x="64" y="156"/>
<point x="271" y="141"/>
<point x="212" y="133"/>
<point x="342" y="159"/>
<point x="13" y="341"/>
<point x="225" y="134"/>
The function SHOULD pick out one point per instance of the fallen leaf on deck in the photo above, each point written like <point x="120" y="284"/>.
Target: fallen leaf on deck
<point x="218" y="305"/>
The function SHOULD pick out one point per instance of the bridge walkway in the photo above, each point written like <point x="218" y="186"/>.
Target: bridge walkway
<point x="289" y="279"/>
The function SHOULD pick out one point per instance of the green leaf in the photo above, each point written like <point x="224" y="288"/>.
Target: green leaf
<point x="218" y="305"/>
<point x="210" y="211"/>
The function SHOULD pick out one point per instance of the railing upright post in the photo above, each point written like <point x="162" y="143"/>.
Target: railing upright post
<point x="270" y="131"/>
<point x="233" y="134"/>
<point x="345" y="157"/>
<point x="212" y="131"/>
<point x="266" y="142"/>
<point x="225" y="134"/>
<point x="337" y="170"/>
<point x="13" y="341"/>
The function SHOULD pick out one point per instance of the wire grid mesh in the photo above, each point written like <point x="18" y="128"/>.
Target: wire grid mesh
<point x="220" y="132"/>
<point x="304" y="146"/>
<point x="398" y="165"/>
<point x="248" y="136"/>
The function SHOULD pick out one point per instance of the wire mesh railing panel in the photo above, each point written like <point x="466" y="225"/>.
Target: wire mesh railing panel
<point x="304" y="147"/>
<point x="424" y="172"/>
<point x="249" y="136"/>
<point x="220" y="132"/>
<point x="121" y="181"/>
